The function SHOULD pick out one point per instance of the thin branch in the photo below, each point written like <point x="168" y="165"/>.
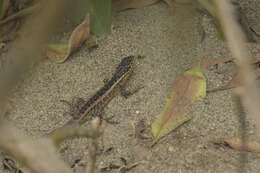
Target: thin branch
<point x="62" y="134"/>
<point x="236" y="41"/>
<point x="22" y="13"/>
<point x="92" y="154"/>
<point x="92" y="134"/>
<point x="39" y="156"/>
<point x="25" y="51"/>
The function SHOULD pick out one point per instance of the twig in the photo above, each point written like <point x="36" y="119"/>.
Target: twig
<point x="39" y="156"/>
<point x="92" y="134"/>
<point x="93" y="147"/>
<point x="236" y="40"/>
<point x="26" y="50"/>
<point x="125" y="168"/>
<point x="62" y="134"/>
<point x="92" y="153"/>
<point x="243" y="132"/>
<point x="132" y="123"/>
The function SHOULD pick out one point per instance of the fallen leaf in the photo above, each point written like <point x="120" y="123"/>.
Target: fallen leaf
<point x="60" y="52"/>
<point x="57" y="52"/>
<point x="91" y="42"/>
<point x="188" y="87"/>
<point x="237" y="143"/>
<point x="119" y="5"/>
<point x="79" y="35"/>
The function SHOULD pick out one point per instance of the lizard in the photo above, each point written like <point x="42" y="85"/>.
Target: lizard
<point x="94" y="106"/>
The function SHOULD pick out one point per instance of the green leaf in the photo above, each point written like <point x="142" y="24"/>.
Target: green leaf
<point x="100" y="15"/>
<point x="188" y="87"/>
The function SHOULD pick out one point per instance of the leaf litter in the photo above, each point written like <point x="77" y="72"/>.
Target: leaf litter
<point x="60" y="52"/>
<point x="234" y="142"/>
<point x="188" y="87"/>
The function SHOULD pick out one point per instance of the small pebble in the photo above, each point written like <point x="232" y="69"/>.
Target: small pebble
<point x="2" y="45"/>
<point x="170" y="149"/>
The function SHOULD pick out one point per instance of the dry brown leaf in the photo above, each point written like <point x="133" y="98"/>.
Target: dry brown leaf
<point x="60" y="52"/>
<point x="237" y="143"/>
<point x="119" y="5"/>
<point x="79" y="35"/>
<point x="57" y="52"/>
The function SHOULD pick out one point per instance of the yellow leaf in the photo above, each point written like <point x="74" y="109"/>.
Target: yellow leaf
<point x="188" y="87"/>
<point x="57" y="52"/>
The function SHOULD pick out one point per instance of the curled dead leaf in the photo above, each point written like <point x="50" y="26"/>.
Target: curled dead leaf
<point x="79" y="35"/>
<point x="57" y="52"/>
<point x="60" y="52"/>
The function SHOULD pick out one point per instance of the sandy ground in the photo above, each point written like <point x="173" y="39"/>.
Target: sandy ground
<point x="170" y="40"/>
